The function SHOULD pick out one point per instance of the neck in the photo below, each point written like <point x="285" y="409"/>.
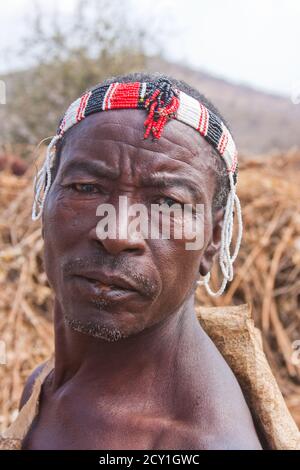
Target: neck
<point x="154" y="351"/>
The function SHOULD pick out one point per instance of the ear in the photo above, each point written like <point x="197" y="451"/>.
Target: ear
<point x="214" y="244"/>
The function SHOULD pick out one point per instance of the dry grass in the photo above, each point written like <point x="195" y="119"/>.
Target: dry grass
<point x="267" y="275"/>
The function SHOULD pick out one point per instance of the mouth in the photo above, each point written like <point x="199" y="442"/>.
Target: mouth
<point x="109" y="288"/>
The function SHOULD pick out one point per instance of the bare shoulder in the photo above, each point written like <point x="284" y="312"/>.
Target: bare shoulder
<point x="27" y="390"/>
<point x="211" y="410"/>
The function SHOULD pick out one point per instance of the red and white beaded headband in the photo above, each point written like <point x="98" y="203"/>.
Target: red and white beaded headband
<point x="177" y="105"/>
<point x="162" y="102"/>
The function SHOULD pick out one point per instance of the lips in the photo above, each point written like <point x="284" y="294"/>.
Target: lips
<point x="107" y="285"/>
<point x="108" y="281"/>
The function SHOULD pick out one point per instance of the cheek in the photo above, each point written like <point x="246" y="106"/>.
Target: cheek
<point x="188" y="261"/>
<point x="178" y="268"/>
<point x="66" y="223"/>
<point x="179" y="256"/>
<point x="191" y="229"/>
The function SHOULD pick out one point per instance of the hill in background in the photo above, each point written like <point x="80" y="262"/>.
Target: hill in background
<point x="260" y="122"/>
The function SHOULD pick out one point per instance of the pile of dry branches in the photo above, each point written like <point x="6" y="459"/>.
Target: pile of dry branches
<point x="267" y="275"/>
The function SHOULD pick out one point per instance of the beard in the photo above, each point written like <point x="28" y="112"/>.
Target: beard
<point x="109" y="334"/>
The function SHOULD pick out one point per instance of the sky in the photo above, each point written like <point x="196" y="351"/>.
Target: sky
<point x="253" y="42"/>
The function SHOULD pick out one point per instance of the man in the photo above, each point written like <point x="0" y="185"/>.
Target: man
<point x="133" y="367"/>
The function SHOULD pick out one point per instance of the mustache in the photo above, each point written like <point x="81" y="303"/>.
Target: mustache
<point x="148" y="286"/>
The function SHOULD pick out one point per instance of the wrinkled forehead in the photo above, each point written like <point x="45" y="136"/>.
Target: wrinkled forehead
<point x="107" y="131"/>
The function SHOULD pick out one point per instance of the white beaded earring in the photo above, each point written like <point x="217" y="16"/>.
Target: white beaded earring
<point x="226" y="260"/>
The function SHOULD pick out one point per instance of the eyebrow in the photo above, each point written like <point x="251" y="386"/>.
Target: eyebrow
<point x="99" y="169"/>
<point x="167" y="180"/>
<point x="160" y="180"/>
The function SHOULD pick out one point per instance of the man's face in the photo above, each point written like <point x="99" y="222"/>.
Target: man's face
<point x="113" y="287"/>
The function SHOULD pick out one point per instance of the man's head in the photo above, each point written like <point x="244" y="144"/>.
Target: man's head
<point x="115" y="287"/>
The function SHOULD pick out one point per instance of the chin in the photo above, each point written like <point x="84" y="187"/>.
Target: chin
<point x="102" y="321"/>
<point x="95" y="329"/>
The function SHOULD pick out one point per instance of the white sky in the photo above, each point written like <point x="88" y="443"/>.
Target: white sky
<point x="256" y="42"/>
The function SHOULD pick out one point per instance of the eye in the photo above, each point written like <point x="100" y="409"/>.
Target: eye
<point x="85" y="188"/>
<point x="169" y="201"/>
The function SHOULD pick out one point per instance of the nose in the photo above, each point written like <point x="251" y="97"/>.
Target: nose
<point x="115" y="232"/>
<point x="114" y="246"/>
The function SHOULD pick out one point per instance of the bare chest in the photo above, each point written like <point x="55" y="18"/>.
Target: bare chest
<point x="84" y="427"/>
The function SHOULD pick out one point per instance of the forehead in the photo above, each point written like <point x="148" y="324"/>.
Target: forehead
<point x="116" y="135"/>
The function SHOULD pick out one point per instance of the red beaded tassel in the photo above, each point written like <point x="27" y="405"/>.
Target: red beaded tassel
<point x="158" y="115"/>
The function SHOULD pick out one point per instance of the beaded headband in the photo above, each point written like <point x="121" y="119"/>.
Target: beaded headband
<point x="162" y="102"/>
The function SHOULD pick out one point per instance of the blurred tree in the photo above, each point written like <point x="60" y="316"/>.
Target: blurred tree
<point x="69" y="54"/>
